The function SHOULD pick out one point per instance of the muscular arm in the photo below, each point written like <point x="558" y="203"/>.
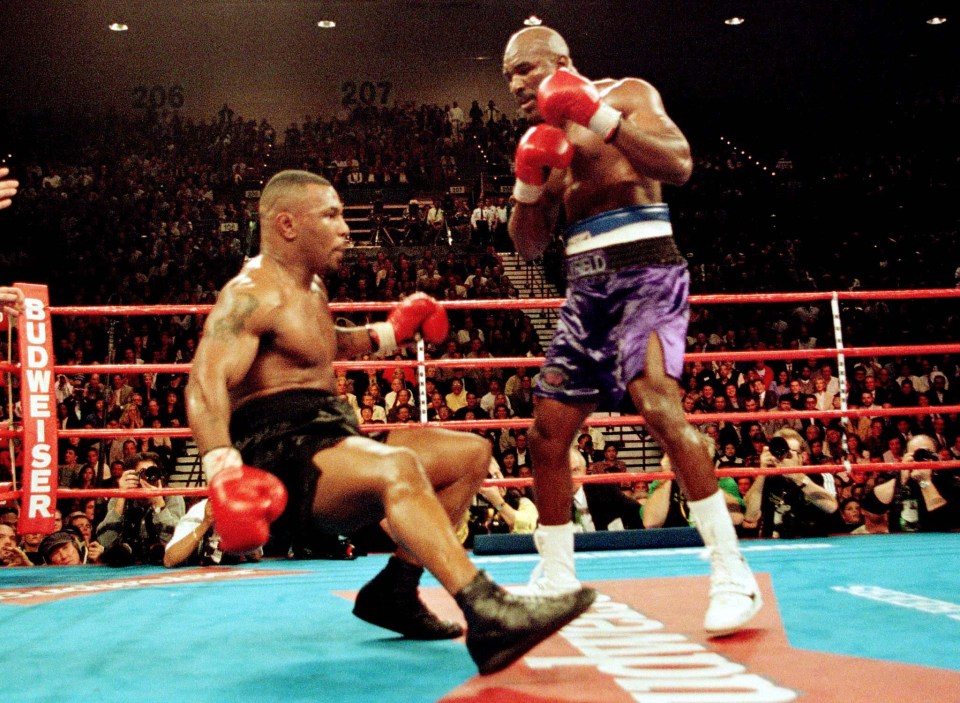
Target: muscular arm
<point x="352" y="342"/>
<point x="647" y="137"/>
<point x="227" y="350"/>
<point x="657" y="506"/>
<point x="531" y="226"/>
<point x="754" y="501"/>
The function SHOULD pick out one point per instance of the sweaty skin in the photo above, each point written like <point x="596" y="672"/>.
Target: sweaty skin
<point x="647" y="150"/>
<point x="271" y="329"/>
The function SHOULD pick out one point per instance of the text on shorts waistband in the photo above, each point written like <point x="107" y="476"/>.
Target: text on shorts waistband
<point x="620" y="226"/>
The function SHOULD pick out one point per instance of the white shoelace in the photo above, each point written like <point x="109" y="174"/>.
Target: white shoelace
<point x="723" y="572"/>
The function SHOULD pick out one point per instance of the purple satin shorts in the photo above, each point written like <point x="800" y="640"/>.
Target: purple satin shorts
<point x="601" y="340"/>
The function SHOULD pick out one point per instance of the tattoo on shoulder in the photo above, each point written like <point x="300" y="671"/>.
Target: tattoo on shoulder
<point x="235" y="317"/>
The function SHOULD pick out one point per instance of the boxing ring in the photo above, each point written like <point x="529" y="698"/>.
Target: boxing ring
<point x="852" y="618"/>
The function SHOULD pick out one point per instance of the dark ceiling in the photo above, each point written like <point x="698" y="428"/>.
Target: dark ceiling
<point x="829" y="54"/>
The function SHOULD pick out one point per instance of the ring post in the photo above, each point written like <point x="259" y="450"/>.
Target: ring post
<point x="40" y="477"/>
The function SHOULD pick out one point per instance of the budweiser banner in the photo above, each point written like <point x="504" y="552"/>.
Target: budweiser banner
<point x="39" y="408"/>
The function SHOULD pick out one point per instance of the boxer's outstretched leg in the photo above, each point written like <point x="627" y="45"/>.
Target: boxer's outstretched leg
<point x="502" y="627"/>
<point x="370" y="481"/>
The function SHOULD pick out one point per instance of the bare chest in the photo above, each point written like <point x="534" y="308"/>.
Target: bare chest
<point x="600" y="178"/>
<point x="303" y="332"/>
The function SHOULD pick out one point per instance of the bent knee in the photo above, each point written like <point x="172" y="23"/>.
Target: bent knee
<point x="453" y="455"/>
<point x="546" y="441"/>
<point x="401" y="470"/>
<point x="660" y="406"/>
<point x="479" y="453"/>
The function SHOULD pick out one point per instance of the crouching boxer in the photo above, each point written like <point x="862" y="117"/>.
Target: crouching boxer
<point x="280" y="446"/>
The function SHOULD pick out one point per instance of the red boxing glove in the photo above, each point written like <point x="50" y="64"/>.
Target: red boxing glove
<point x="416" y="313"/>
<point x="245" y="501"/>
<point x="542" y="147"/>
<point x="568" y="96"/>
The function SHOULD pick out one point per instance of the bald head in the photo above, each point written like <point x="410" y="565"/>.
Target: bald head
<point x="533" y="54"/>
<point x="578" y="464"/>
<point x="284" y="190"/>
<point x="542" y="39"/>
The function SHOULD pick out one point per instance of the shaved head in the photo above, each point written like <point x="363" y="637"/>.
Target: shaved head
<point x="285" y="189"/>
<point x="302" y="215"/>
<point x="537" y="38"/>
<point x="532" y="55"/>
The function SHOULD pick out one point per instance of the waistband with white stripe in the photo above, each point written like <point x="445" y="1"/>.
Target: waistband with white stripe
<point x="620" y="226"/>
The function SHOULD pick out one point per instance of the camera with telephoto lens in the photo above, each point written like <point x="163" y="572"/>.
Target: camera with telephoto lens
<point x="151" y="474"/>
<point x="210" y="553"/>
<point x="925" y="455"/>
<point x="779" y="448"/>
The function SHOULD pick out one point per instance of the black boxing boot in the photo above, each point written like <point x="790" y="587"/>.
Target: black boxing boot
<point x="390" y="601"/>
<point x="502" y="627"/>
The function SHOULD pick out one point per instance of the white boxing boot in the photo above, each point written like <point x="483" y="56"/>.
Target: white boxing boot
<point x="734" y="593"/>
<point x="555" y="573"/>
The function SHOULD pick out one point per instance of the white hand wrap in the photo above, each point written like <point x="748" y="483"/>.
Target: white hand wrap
<point x="385" y="336"/>
<point x="218" y="459"/>
<point x="605" y="121"/>
<point x="526" y="193"/>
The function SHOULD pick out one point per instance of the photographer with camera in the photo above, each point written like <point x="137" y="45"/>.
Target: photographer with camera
<point x="914" y="500"/>
<point x="137" y="530"/>
<point x="667" y="505"/>
<point x="513" y="512"/>
<point x="795" y="504"/>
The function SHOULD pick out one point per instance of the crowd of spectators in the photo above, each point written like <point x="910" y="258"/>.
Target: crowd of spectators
<point x="156" y="208"/>
<point x="767" y="390"/>
<point x="159" y="209"/>
<point x="425" y="146"/>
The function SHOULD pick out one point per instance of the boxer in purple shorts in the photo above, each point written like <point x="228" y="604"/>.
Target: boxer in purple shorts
<point x="604" y="329"/>
<point x="602" y="150"/>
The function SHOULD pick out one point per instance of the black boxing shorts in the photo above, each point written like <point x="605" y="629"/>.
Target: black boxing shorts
<point x="280" y="433"/>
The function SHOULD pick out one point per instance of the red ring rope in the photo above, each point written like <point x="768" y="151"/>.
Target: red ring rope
<point x="515" y="304"/>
